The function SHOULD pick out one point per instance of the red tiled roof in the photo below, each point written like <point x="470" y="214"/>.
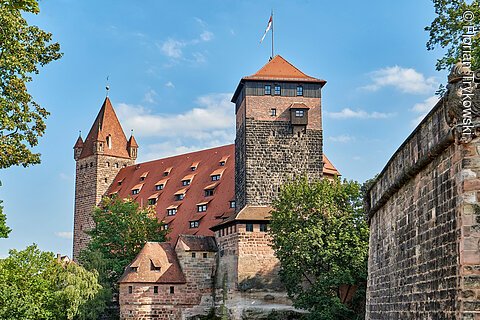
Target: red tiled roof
<point x="106" y="124"/>
<point x="218" y="204"/>
<point x="248" y="213"/>
<point x="160" y="255"/>
<point x="329" y="168"/>
<point x="79" y="143"/>
<point x="132" y="142"/>
<point x="299" y="105"/>
<point x="280" y="69"/>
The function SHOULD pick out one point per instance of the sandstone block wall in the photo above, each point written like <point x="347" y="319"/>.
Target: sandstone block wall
<point x="424" y="256"/>
<point x="94" y="175"/>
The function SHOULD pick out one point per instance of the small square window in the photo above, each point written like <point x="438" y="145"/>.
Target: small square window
<point x="172" y="290"/>
<point x="278" y="90"/>
<point x="205" y="255"/>
<point x="216" y="177"/>
<point x="194" y="224"/>
<point x="299" y="91"/>
<point x="249" y="227"/>
<point x="155" y="289"/>
<point x="263" y="227"/>
<point x="299" y="113"/>
<point x="179" y="197"/>
<point x="171" y="212"/>
<point x="130" y="289"/>
<point x="194" y="255"/>
<point x="232" y="204"/>
<point x="135" y="191"/>
<point x="185" y="182"/>
<point x="268" y="89"/>
<point x="151" y="202"/>
<point x="208" y="192"/>
<point x="202" y="208"/>
<point x="273" y="112"/>
<point x="159" y="187"/>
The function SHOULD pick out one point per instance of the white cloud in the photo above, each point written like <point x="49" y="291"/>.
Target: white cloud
<point x="423" y="108"/>
<point x="206" y="36"/>
<point x="348" y="113"/>
<point x="406" y="80"/>
<point x="341" y="138"/>
<point x="150" y="96"/>
<point x="172" y="48"/>
<point x="65" y="176"/>
<point x="210" y="123"/>
<point x="64" y="234"/>
<point x="169" y="84"/>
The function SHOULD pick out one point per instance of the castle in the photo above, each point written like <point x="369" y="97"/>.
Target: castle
<point x="215" y="202"/>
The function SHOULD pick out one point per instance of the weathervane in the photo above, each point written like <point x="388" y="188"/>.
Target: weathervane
<point x="107" y="87"/>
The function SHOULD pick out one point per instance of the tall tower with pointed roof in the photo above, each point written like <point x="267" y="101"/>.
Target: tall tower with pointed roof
<point x="279" y="131"/>
<point x="98" y="159"/>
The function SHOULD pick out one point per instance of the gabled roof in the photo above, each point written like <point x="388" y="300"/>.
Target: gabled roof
<point x="248" y="213"/>
<point x="277" y="69"/>
<point x="159" y="254"/>
<point x="104" y="125"/>
<point x="329" y="168"/>
<point x="196" y="243"/>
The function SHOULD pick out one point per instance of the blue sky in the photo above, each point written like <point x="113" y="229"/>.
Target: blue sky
<point x="172" y="68"/>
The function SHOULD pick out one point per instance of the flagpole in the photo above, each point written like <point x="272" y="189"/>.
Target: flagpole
<point x="272" y="33"/>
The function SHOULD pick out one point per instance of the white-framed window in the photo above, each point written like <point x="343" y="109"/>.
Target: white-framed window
<point x="299" y="113"/>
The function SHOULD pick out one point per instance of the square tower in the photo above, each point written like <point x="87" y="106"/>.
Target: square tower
<point x="278" y="131"/>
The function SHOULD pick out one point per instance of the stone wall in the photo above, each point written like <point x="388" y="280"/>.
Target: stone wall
<point x="94" y="174"/>
<point x="424" y="258"/>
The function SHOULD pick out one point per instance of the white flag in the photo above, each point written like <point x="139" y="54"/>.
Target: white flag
<point x="269" y="26"/>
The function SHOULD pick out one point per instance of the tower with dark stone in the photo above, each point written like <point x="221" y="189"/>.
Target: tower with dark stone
<point x="98" y="159"/>
<point x="279" y="131"/>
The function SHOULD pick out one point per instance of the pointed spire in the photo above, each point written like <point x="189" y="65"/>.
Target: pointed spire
<point x="106" y="124"/>
<point x="132" y="142"/>
<point x="79" y="143"/>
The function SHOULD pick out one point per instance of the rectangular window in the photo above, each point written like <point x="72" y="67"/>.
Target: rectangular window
<point x="179" y="196"/>
<point x="194" y="255"/>
<point x="273" y="112"/>
<point x="185" y="182"/>
<point x="222" y="163"/>
<point x="194" y="224"/>
<point x="151" y="202"/>
<point x="155" y="289"/>
<point x="278" y="90"/>
<point x="171" y="212"/>
<point x="208" y="192"/>
<point x="159" y="187"/>
<point x="299" y="113"/>
<point x="165" y="227"/>
<point x="232" y="204"/>
<point x="202" y="208"/>
<point x="263" y="227"/>
<point x="172" y="290"/>
<point x="205" y="255"/>
<point x="135" y="191"/>
<point x="249" y="227"/>
<point x="216" y="177"/>
<point x="268" y="89"/>
<point x="130" y="289"/>
<point x="299" y="91"/>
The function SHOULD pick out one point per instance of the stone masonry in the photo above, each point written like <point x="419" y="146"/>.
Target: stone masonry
<point x="424" y="257"/>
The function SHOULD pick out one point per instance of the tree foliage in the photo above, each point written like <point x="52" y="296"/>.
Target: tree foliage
<point x="122" y="228"/>
<point x="34" y="285"/>
<point x="447" y="29"/>
<point x="4" y="229"/>
<point x="23" y="49"/>
<point x="320" y="236"/>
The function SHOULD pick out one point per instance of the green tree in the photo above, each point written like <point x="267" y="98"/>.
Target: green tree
<point x="23" y="49"/>
<point x="447" y="29"/>
<point x="34" y="285"/>
<point x="122" y="228"/>
<point x="320" y="236"/>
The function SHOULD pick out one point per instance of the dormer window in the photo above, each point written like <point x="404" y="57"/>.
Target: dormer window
<point x="152" y="200"/>
<point x="109" y="141"/>
<point x="278" y="90"/>
<point x="223" y="161"/>
<point x="202" y="207"/>
<point x="273" y="112"/>
<point x="180" y="194"/>
<point x="172" y="210"/>
<point x="167" y="171"/>
<point x="136" y="189"/>
<point x="160" y="184"/>
<point x="143" y="176"/>
<point x="194" y="166"/>
<point x="299" y="91"/>
<point x="268" y="89"/>
<point x="185" y="182"/>
<point x="187" y="179"/>
<point x="154" y="266"/>
<point x="208" y="192"/>
<point x="194" y="224"/>
<point x="216" y="177"/>
<point x="210" y="189"/>
<point x="134" y="269"/>
<point x="217" y="174"/>
<point x="159" y="187"/>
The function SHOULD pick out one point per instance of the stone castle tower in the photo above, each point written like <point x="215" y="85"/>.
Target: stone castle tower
<point x="98" y="159"/>
<point x="279" y="131"/>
